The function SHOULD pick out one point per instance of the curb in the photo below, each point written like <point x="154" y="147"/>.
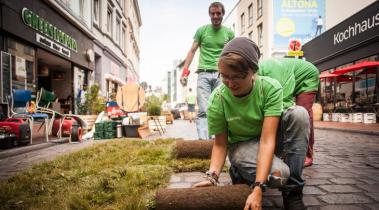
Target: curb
<point x="24" y="149"/>
<point x="374" y="133"/>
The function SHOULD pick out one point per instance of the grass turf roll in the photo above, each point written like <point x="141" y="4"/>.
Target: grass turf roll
<point x="228" y="197"/>
<point x="201" y="149"/>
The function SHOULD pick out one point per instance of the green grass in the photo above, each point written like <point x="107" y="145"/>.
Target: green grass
<point x="119" y="174"/>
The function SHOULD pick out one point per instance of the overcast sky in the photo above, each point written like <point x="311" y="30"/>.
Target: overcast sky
<point x="167" y="33"/>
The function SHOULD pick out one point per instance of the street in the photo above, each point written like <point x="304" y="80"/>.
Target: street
<point x="344" y="174"/>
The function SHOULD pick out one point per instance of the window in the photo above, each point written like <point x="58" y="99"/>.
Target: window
<point x="250" y="8"/>
<point x="243" y="22"/>
<point x="96" y="12"/>
<point x="260" y="35"/>
<point x="123" y="38"/>
<point x="260" y="12"/>
<point x="118" y="29"/>
<point x="110" y="21"/>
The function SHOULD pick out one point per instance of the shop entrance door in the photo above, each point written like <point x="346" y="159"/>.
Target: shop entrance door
<point x="54" y="74"/>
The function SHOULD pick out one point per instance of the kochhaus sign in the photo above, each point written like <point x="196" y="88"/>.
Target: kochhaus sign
<point x="36" y="22"/>
<point x="356" y="28"/>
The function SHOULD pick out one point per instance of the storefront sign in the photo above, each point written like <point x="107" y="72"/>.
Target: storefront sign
<point x="356" y="28"/>
<point x="52" y="45"/>
<point x="115" y="69"/>
<point x="34" y="21"/>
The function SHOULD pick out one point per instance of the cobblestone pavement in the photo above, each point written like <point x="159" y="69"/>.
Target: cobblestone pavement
<point x="19" y="161"/>
<point x="345" y="174"/>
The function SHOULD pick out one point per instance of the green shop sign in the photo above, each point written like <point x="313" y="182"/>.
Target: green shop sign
<point x="34" y="21"/>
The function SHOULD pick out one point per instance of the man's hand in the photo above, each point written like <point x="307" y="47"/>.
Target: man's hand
<point x="254" y="201"/>
<point x="205" y="183"/>
<point x="184" y="77"/>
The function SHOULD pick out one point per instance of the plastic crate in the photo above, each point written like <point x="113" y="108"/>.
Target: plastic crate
<point x="357" y="117"/>
<point x="344" y="118"/>
<point x="336" y="117"/>
<point x="98" y="135"/>
<point x="369" y="118"/>
<point x="99" y="126"/>
<point x="130" y="130"/>
<point x="326" y="117"/>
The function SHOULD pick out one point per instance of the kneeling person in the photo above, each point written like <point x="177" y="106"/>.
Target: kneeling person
<point x="246" y="115"/>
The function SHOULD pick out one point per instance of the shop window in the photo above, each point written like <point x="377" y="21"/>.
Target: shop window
<point x="29" y="50"/>
<point x="23" y="66"/>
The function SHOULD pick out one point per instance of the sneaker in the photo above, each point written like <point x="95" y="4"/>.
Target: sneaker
<point x="308" y="161"/>
<point x="293" y="199"/>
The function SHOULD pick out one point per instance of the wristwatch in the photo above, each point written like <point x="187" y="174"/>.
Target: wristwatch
<point x="262" y="185"/>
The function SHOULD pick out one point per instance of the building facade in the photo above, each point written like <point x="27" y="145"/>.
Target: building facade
<point x="116" y="26"/>
<point x="67" y="45"/>
<point x="43" y="48"/>
<point x="272" y="24"/>
<point x="350" y="50"/>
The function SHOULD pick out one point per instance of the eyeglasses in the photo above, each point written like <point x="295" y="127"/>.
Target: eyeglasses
<point x="232" y="79"/>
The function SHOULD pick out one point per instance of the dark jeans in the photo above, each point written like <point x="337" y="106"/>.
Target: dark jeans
<point x="291" y="146"/>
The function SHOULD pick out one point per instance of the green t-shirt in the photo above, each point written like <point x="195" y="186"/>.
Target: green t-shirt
<point x="191" y="98"/>
<point x="295" y="75"/>
<point x="306" y="75"/>
<point x="211" y="42"/>
<point x="243" y="117"/>
<point x="276" y="69"/>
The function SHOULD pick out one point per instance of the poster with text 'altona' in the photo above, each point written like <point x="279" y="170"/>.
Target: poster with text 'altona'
<point x="297" y="20"/>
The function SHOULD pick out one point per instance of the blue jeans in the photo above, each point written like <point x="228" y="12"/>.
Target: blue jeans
<point x="291" y="147"/>
<point x="206" y="83"/>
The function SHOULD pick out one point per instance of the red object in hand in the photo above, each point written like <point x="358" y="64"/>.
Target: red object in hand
<point x="185" y="72"/>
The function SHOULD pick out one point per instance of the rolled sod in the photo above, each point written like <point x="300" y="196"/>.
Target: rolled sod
<point x="201" y="149"/>
<point x="228" y="197"/>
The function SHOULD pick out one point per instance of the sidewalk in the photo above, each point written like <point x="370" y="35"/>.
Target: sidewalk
<point x="372" y="129"/>
<point x="344" y="175"/>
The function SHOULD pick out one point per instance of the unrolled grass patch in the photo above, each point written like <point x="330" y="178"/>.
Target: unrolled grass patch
<point x="119" y="174"/>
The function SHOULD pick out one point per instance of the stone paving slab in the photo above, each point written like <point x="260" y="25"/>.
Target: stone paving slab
<point x="343" y="176"/>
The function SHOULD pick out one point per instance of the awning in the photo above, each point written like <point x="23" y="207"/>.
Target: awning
<point x="326" y="74"/>
<point x="356" y="67"/>
<point x="114" y="79"/>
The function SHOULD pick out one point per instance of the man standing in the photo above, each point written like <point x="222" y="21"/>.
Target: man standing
<point x="211" y="39"/>
<point x="319" y="26"/>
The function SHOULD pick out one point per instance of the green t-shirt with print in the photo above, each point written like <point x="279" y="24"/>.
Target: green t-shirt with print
<point x="211" y="42"/>
<point x="243" y="117"/>
<point x="279" y="70"/>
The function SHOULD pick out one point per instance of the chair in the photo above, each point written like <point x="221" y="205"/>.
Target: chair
<point x="43" y="101"/>
<point x="18" y="103"/>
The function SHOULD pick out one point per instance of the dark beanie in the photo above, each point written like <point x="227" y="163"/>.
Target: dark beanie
<point x="244" y="47"/>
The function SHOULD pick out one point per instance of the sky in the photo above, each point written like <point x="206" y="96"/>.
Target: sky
<point x="167" y="31"/>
